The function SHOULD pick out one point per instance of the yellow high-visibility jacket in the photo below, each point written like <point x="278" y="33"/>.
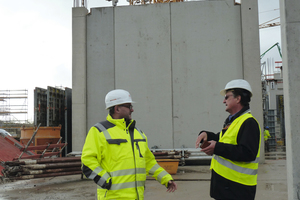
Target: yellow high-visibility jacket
<point x="266" y="134"/>
<point x="118" y="159"/>
<point x="241" y="172"/>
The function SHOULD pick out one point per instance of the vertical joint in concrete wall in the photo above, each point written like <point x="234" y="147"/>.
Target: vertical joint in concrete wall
<point x="114" y="46"/>
<point x="172" y="100"/>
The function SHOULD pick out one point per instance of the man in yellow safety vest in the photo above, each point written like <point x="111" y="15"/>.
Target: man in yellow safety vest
<point x="266" y="137"/>
<point x="116" y="154"/>
<point x="236" y="148"/>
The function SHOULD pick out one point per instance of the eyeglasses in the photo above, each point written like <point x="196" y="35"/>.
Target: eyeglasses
<point x="227" y="96"/>
<point x="127" y="106"/>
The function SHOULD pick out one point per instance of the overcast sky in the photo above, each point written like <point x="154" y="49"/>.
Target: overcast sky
<point x="36" y="42"/>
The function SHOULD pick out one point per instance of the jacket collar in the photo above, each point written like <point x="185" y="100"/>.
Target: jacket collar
<point x="244" y="110"/>
<point x="120" y="122"/>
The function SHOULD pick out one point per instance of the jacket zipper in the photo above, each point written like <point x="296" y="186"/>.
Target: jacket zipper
<point x="132" y="145"/>
<point x="138" y="147"/>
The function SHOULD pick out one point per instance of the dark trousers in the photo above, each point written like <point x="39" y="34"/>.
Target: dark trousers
<point x="267" y="148"/>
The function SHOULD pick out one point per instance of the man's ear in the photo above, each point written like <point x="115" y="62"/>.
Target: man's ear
<point x="239" y="98"/>
<point x="116" y="109"/>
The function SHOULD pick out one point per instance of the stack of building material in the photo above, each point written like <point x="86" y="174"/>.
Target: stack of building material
<point x="184" y="154"/>
<point x="40" y="168"/>
<point x="9" y="149"/>
<point x="167" y="154"/>
<point x="170" y="154"/>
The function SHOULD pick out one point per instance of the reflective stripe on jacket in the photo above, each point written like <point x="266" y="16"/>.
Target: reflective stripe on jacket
<point x="109" y="154"/>
<point x="240" y="172"/>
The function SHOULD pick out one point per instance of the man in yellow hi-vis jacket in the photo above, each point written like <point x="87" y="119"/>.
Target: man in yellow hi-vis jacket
<point x="236" y="148"/>
<point x="266" y="137"/>
<point x="116" y="154"/>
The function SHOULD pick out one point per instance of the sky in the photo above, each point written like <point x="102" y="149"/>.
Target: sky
<point x="36" y="42"/>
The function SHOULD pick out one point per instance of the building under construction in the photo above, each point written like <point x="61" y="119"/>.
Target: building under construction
<point x="50" y="135"/>
<point x="273" y="103"/>
<point x="52" y="108"/>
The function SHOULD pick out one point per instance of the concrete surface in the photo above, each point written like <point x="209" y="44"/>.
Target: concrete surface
<point x="168" y="56"/>
<point x="290" y="31"/>
<point x="193" y="183"/>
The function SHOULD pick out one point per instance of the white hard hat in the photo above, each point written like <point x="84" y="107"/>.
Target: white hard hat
<point x="117" y="97"/>
<point x="237" y="83"/>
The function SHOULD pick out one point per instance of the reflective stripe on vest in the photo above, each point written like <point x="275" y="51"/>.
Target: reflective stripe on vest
<point x="160" y="175"/>
<point x="124" y="172"/>
<point x="102" y="179"/>
<point x="107" y="136"/>
<point x="234" y="167"/>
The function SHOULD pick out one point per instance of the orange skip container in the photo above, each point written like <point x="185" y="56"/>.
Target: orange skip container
<point x="170" y="165"/>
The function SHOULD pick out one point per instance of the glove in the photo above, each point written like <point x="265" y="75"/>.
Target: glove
<point x="107" y="185"/>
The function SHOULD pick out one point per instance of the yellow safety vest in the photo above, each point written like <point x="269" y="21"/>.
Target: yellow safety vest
<point x="108" y="154"/>
<point x="241" y="172"/>
<point x="266" y="135"/>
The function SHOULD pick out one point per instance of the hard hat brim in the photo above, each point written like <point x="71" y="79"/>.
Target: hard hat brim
<point x="121" y="104"/>
<point x="223" y="92"/>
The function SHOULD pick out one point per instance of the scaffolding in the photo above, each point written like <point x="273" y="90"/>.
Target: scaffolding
<point x="13" y="107"/>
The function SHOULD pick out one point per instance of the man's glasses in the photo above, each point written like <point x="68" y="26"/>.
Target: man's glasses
<point x="127" y="106"/>
<point x="227" y="96"/>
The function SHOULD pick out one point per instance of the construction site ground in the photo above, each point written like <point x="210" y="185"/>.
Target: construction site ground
<point x="193" y="183"/>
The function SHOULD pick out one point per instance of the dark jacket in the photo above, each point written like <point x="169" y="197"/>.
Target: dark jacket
<point x="245" y="150"/>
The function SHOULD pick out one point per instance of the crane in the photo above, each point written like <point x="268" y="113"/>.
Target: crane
<point x="265" y="25"/>
<point x="278" y="47"/>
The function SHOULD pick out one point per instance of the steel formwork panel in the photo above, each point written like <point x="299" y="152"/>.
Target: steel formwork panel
<point x="40" y="106"/>
<point x="55" y="106"/>
<point x="68" y="120"/>
<point x="271" y="124"/>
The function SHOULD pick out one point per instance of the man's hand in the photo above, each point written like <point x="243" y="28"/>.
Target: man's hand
<point x="172" y="186"/>
<point x="202" y="136"/>
<point x="210" y="149"/>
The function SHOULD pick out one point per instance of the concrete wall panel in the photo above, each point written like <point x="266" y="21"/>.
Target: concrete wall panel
<point x="143" y="67"/>
<point x="100" y="62"/>
<point x="206" y="54"/>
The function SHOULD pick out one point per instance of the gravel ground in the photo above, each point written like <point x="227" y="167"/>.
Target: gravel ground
<point x="193" y="183"/>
